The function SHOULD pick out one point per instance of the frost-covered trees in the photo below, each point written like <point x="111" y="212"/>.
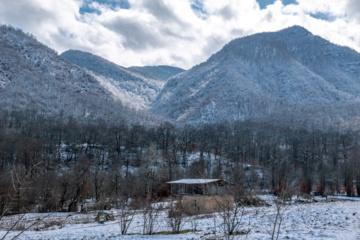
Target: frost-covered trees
<point x="57" y="163"/>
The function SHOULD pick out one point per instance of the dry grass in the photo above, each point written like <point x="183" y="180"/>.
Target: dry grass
<point x="57" y="220"/>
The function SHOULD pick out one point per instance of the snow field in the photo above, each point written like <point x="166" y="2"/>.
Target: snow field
<point x="336" y="218"/>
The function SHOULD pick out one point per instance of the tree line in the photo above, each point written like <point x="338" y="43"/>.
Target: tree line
<point x="57" y="163"/>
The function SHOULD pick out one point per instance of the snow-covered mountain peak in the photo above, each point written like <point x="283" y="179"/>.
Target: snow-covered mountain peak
<point x="290" y="72"/>
<point x="295" y="30"/>
<point x="34" y="77"/>
<point x="278" y="46"/>
<point x="161" y="72"/>
<point x="139" y="86"/>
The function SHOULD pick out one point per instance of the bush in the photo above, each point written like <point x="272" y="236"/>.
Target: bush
<point x="249" y="200"/>
<point x="176" y="217"/>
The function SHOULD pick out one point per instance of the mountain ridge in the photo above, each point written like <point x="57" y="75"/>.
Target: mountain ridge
<point x="263" y="75"/>
<point x="33" y="76"/>
<point x="160" y="72"/>
<point x="135" y="85"/>
<point x="289" y="74"/>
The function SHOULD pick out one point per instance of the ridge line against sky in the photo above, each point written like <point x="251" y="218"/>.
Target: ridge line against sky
<point x="180" y="33"/>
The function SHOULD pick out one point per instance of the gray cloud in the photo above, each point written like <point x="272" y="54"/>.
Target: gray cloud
<point x="214" y="44"/>
<point x="24" y="14"/>
<point x="179" y="60"/>
<point x="353" y="9"/>
<point x="169" y="32"/>
<point x="162" y="12"/>
<point x="269" y="17"/>
<point x="237" y="32"/>
<point x="166" y="31"/>
<point x="137" y="35"/>
<point x="227" y="13"/>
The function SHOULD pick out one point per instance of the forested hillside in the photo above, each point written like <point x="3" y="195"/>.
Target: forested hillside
<point x="66" y="136"/>
<point x="136" y="88"/>
<point x="158" y="72"/>
<point x="289" y="74"/>
<point x="48" y="164"/>
<point x="35" y="78"/>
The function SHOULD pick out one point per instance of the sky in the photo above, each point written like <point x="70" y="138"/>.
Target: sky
<point x="180" y="33"/>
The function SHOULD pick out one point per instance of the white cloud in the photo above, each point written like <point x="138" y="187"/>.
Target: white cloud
<point x="171" y="32"/>
<point x="336" y="8"/>
<point x="353" y="9"/>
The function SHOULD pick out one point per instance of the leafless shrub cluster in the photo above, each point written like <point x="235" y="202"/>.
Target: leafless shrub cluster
<point x="229" y="217"/>
<point x="125" y="215"/>
<point x="177" y="216"/>
<point x="150" y="215"/>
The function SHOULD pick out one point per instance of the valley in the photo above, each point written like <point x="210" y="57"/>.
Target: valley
<point x="275" y="114"/>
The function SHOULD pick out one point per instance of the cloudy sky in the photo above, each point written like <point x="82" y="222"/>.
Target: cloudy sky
<point x="180" y="33"/>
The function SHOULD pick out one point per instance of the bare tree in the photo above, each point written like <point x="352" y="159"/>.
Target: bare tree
<point x="126" y="216"/>
<point x="150" y="215"/>
<point x="275" y="219"/>
<point x="176" y="216"/>
<point x="194" y="223"/>
<point x="230" y="216"/>
<point x="16" y="223"/>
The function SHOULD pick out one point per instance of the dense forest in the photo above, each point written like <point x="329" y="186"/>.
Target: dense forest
<point x="58" y="163"/>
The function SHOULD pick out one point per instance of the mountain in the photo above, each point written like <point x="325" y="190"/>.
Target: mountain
<point x="158" y="72"/>
<point x="285" y="74"/>
<point x="138" y="86"/>
<point x="32" y="76"/>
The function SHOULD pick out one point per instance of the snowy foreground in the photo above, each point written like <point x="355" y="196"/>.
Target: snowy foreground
<point x="336" y="218"/>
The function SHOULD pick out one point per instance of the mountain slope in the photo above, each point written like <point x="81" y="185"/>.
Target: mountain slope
<point x="158" y="72"/>
<point x="289" y="72"/>
<point x="32" y="76"/>
<point x="136" y="88"/>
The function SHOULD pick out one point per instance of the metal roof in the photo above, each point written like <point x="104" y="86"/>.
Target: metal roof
<point x="194" y="181"/>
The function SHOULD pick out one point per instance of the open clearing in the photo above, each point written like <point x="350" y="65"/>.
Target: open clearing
<point x="336" y="218"/>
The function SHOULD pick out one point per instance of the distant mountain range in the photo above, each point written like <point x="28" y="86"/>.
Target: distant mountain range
<point x="137" y="86"/>
<point x="290" y="73"/>
<point x="34" y="77"/>
<point x="158" y="72"/>
<point x="286" y="75"/>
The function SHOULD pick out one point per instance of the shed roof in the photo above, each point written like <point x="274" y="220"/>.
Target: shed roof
<point x="194" y="181"/>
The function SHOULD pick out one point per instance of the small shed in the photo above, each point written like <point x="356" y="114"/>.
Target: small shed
<point x="200" y="196"/>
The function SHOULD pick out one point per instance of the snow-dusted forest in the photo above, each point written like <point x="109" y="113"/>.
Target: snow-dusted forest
<point x="59" y="165"/>
<point x="80" y="135"/>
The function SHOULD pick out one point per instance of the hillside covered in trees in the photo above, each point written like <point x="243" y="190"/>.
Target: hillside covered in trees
<point x="67" y="137"/>
<point x="55" y="164"/>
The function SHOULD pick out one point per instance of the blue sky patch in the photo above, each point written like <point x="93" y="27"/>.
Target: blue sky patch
<point x="198" y="7"/>
<point x="264" y="3"/>
<point x="288" y="2"/>
<point x="323" y="16"/>
<point x="113" y="4"/>
<point x="65" y="33"/>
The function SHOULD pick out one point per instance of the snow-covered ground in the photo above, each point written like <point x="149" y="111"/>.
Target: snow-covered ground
<point x="337" y="218"/>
